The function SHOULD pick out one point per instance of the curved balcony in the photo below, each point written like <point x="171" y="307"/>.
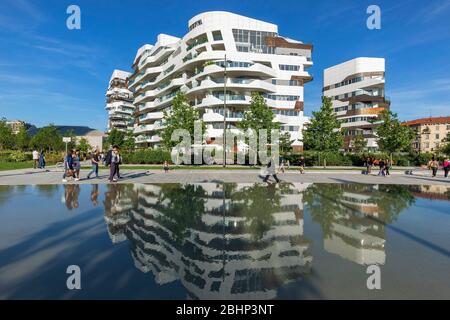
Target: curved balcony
<point x="151" y="117"/>
<point x="147" y="139"/>
<point x="118" y="104"/>
<point x="148" y="59"/>
<point x="147" y="128"/>
<point x="238" y="68"/>
<point x="217" y="100"/>
<point x="145" y="96"/>
<point x="177" y="82"/>
<point x="144" y="74"/>
<point x="233" y="84"/>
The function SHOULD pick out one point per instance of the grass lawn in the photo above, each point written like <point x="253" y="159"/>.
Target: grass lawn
<point x="15" y="165"/>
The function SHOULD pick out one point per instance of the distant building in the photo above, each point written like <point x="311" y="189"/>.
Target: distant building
<point x="15" y="125"/>
<point x="94" y="137"/>
<point x="431" y="132"/>
<point x="356" y="88"/>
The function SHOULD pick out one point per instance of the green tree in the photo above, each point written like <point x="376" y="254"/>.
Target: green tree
<point x="285" y="143"/>
<point x="115" y="137"/>
<point x="323" y="132"/>
<point x="83" y="145"/>
<point x="445" y="148"/>
<point x="6" y="136"/>
<point x="359" y="143"/>
<point x="393" y="137"/>
<point x="47" y="138"/>
<point x="128" y="142"/>
<point x="259" y="116"/>
<point x="181" y="116"/>
<point x="23" y="139"/>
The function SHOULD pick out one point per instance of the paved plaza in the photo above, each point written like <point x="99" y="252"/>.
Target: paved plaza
<point x="53" y="176"/>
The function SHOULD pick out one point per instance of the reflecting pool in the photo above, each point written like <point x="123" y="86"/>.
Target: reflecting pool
<point x="225" y="241"/>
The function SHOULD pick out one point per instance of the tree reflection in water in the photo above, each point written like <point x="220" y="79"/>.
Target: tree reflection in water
<point x="220" y="240"/>
<point x="353" y="217"/>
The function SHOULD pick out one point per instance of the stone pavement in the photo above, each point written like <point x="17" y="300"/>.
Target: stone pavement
<point x="53" y="176"/>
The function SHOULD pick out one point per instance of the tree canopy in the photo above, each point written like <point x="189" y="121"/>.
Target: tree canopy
<point x="181" y="116"/>
<point x="323" y="133"/>
<point x="393" y="136"/>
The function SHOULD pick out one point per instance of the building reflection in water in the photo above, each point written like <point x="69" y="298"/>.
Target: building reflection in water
<point x="244" y="241"/>
<point x="353" y="217"/>
<point x="222" y="241"/>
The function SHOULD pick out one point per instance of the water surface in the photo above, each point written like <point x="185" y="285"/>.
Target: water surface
<point x="225" y="241"/>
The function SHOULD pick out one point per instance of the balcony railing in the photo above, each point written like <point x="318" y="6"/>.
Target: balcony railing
<point x="197" y="42"/>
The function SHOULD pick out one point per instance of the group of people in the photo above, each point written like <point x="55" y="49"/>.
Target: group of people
<point x="433" y="165"/>
<point x="383" y="164"/>
<point x="38" y="159"/>
<point x="72" y="164"/>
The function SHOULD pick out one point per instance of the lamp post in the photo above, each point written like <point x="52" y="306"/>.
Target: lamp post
<point x="225" y="111"/>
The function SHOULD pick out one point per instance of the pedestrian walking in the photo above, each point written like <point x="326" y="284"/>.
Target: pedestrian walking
<point x="68" y="166"/>
<point x="446" y="166"/>
<point x="369" y="164"/>
<point x="433" y="165"/>
<point x="42" y="160"/>
<point x="76" y="164"/>
<point x="35" y="158"/>
<point x="302" y="165"/>
<point x="114" y="161"/>
<point x="282" y="166"/>
<point x="271" y="171"/>
<point x="382" y="166"/>
<point x="387" y="167"/>
<point x="95" y="160"/>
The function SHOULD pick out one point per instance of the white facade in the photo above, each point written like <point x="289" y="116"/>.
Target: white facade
<point x="259" y="60"/>
<point x="357" y="91"/>
<point x="119" y="102"/>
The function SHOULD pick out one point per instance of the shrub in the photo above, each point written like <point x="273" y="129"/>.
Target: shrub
<point x="146" y="156"/>
<point x="17" y="156"/>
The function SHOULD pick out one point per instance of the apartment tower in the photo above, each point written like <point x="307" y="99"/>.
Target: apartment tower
<point x="357" y="91"/>
<point x="119" y="102"/>
<point x="258" y="59"/>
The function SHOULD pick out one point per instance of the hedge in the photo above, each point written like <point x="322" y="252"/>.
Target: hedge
<point x="146" y="156"/>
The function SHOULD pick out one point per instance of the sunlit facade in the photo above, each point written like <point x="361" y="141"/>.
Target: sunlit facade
<point x="258" y="60"/>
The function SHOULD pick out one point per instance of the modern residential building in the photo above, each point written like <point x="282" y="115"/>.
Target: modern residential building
<point x="258" y="59"/>
<point x="119" y="102"/>
<point x="357" y="91"/>
<point x="431" y="133"/>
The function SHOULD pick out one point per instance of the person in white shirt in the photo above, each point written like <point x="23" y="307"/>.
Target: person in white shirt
<point x="35" y="158"/>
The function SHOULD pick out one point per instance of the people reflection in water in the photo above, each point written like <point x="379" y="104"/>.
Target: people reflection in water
<point x="71" y="193"/>
<point x="219" y="240"/>
<point x="94" y="195"/>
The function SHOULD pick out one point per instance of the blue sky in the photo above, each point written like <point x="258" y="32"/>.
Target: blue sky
<point x="49" y="74"/>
